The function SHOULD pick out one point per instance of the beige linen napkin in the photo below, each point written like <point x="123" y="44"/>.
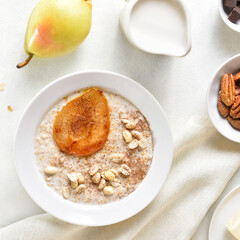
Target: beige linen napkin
<point x="204" y="161"/>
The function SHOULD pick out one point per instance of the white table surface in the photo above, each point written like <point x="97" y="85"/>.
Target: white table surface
<point x="179" y="84"/>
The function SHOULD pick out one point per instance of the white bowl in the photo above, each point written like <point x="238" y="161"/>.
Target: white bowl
<point x="85" y="214"/>
<point x="224" y="15"/>
<point x="221" y="124"/>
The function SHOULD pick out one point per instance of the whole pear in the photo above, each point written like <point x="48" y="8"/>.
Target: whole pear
<point x="57" y="27"/>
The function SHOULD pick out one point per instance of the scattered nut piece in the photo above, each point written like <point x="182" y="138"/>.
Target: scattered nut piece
<point x="222" y="108"/>
<point x="10" y="109"/>
<point x="125" y="170"/>
<point x="149" y="156"/>
<point x="50" y="170"/>
<point x="66" y="193"/>
<point x="114" y="172"/>
<point x="133" y="144"/>
<point x="131" y="125"/>
<point x="115" y="183"/>
<point x="73" y="179"/>
<point x="48" y="178"/>
<point x="96" y="177"/>
<point x="137" y="135"/>
<point x="44" y="136"/>
<point x="116" y="157"/>
<point x="93" y="170"/>
<point x="102" y="184"/>
<point x="103" y="175"/>
<point x="53" y="162"/>
<point x="123" y="116"/>
<point x="80" y="178"/>
<point x="127" y="136"/>
<point x="108" y="190"/>
<point x="125" y="121"/>
<point x="2" y="86"/>
<point x="109" y="175"/>
<point x="142" y="143"/>
<point x="74" y="184"/>
<point x="80" y="188"/>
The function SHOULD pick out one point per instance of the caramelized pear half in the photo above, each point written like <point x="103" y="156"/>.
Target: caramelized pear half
<point x="81" y="128"/>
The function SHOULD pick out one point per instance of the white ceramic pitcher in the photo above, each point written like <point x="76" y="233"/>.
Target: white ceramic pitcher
<point x="157" y="26"/>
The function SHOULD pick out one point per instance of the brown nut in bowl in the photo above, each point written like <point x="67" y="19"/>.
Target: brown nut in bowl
<point x="229" y="100"/>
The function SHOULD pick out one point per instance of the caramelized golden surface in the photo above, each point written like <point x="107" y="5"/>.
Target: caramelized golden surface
<point x="81" y="128"/>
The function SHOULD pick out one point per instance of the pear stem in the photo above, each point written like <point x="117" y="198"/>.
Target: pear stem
<point x="23" y="64"/>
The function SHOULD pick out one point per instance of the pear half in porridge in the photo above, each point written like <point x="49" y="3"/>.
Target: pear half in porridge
<point x="81" y="128"/>
<point x="94" y="146"/>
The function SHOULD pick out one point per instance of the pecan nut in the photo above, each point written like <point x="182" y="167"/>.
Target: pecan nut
<point x="235" y="108"/>
<point x="228" y="89"/>
<point x="222" y="108"/>
<point x="234" y="122"/>
<point x="237" y="92"/>
<point x="237" y="76"/>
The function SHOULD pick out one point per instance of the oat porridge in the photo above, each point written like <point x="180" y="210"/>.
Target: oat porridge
<point x="118" y="164"/>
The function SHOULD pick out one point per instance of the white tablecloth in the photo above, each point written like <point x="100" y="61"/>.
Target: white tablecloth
<point x="179" y="84"/>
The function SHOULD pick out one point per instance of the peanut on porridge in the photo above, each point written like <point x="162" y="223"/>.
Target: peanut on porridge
<point x="93" y="147"/>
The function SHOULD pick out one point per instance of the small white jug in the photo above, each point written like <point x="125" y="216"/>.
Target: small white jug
<point x="157" y="26"/>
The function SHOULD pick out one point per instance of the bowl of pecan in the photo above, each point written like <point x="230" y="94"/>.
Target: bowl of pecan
<point x="223" y="99"/>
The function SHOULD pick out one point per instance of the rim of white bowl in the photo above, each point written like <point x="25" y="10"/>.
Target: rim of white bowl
<point x="139" y="196"/>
